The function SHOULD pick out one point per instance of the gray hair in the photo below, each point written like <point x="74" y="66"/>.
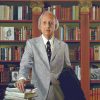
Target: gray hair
<point x="45" y="12"/>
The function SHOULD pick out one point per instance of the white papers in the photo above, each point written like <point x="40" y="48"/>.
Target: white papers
<point x="15" y="94"/>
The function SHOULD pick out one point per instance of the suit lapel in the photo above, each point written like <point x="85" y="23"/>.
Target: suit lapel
<point x="55" y="49"/>
<point x="42" y="50"/>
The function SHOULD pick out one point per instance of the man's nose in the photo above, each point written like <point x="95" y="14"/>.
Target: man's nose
<point x="48" y="24"/>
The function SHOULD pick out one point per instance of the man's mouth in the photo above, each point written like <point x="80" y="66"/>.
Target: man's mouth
<point x="47" y="30"/>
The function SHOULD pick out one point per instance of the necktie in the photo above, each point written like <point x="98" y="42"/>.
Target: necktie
<point x="48" y="49"/>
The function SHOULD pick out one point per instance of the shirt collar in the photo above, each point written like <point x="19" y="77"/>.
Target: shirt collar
<point x="45" y="40"/>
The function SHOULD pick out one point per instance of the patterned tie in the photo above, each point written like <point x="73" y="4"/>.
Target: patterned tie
<point x="48" y="49"/>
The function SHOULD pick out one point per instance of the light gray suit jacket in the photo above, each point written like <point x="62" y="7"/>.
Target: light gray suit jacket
<point x="43" y="72"/>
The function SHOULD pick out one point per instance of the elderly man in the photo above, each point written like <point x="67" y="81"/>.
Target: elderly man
<point x="47" y="56"/>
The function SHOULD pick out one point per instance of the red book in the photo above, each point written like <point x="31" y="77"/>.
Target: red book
<point x="58" y="12"/>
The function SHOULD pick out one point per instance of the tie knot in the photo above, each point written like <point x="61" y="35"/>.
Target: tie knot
<point x="48" y="43"/>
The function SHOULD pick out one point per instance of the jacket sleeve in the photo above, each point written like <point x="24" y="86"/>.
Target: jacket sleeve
<point x="26" y="61"/>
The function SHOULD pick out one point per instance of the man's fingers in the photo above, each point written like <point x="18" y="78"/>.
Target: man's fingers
<point x="20" y="85"/>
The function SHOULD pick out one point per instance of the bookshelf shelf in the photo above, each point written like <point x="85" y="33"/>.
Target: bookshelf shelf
<point x="61" y="1"/>
<point x="95" y="81"/>
<point x="75" y="61"/>
<point x="69" y="21"/>
<point x="95" y="41"/>
<point x="15" y="21"/>
<point x="12" y="41"/>
<point x="95" y="61"/>
<point x="14" y="0"/>
<point x="8" y="61"/>
<point x="95" y="21"/>
<point x="72" y="41"/>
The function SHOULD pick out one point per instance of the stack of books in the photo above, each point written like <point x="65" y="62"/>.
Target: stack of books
<point x="13" y="93"/>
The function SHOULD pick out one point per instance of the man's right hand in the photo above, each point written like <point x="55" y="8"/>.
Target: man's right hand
<point x="20" y="84"/>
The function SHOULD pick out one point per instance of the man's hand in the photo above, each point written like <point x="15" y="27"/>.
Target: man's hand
<point x="20" y="84"/>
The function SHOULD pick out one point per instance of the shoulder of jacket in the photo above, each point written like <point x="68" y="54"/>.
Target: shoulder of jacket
<point x="33" y="39"/>
<point x="61" y="42"/>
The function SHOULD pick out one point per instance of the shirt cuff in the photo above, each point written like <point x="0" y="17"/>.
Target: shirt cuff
<point x="22" y="78"/>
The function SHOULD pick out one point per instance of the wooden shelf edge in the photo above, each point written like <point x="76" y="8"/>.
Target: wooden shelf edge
<point x="12" y="41"/>
<point x="94" y="81"/>
<point x="94" y="21"/>
<point x="94" y="41"/>
<point x="69" y="21"/>
<point x="72" y="41"/>
<point x="95" y="61"/>
<point x="59" y="0"/>
<point x="14" y="0"/>
<point x="15" y="21"/>
<point x="9" y="61"/>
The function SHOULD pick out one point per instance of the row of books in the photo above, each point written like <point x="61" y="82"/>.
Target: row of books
<point x="10" y="12"/>
<point x="73" y="33"/>
<point x="95" y="93"/>
<point x="95" y="33"/>
<point x="73" y="13"/>
<point x="95" y="13"/>
<point x="65" y="13"/>
<point x="14" y="33"/>
<point x="94" y="53"/>
<point x="11" y="52"/>
<point x="15" y="52"/>
<point x="8" y="53"/>
<point x="68" y="33"/>
<point x="65" y="32"/>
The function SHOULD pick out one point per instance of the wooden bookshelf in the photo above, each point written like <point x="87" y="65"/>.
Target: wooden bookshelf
<point x="18" y="24"/>
<point x="84" y="23"/>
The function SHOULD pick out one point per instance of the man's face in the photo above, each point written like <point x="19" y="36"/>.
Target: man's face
<point x="47" y="25"/>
